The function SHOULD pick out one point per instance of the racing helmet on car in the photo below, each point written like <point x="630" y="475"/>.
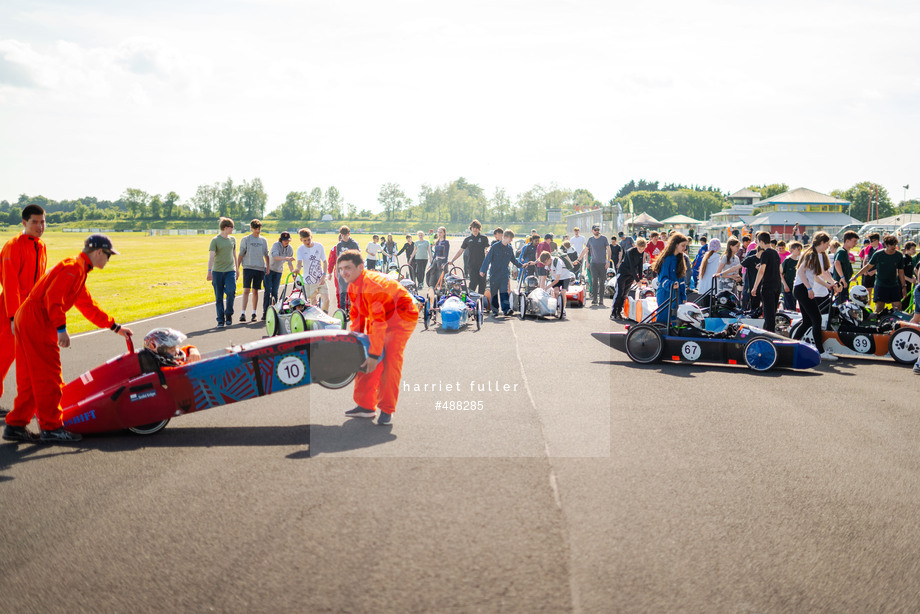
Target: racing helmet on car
<point x="726" y="300"/>
<point x="611" y="272"/>
<point x="530" y="283"/>
<point x="851" y="312"/>
<point x="690" y="313"/>
<point x="393" y="266"/>
<point x="161" y="340"/>
<point x="296" y="302"/>
<point x="454" y="284"/>
<point x="409" y="285"/>
<point x="859" y="295"/>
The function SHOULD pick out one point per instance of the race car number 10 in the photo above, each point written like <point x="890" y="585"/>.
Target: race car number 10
<point x="291" y="370"/>
<point x="691" y="350"/>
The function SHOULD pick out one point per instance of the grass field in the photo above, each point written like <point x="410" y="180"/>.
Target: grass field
<point x="153" y="275"/>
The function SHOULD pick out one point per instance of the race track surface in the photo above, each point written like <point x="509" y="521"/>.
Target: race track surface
<point x="591" y="484"/>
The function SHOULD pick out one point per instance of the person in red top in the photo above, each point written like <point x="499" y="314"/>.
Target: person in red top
<point x="382" y="308"/>
<point x="40" y="327"/>
<point x="23" y="261"/>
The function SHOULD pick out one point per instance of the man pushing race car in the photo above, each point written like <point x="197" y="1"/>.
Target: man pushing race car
<point x="384" y="309"/>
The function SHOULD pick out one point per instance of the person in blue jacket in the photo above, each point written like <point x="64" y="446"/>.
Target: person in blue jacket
<point x="497" y="260"/>
<point x="671" y="266"/>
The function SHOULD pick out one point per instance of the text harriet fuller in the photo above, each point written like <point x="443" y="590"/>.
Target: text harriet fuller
<point x="474" y="386"/>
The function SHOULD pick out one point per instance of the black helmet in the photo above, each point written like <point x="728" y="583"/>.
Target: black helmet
<point x="726" y="300"/>
<point x="453" y="283"/>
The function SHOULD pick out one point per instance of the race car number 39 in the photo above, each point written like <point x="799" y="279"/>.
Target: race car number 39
<point x="691" y="350"/>
<point x="291" y="370"/>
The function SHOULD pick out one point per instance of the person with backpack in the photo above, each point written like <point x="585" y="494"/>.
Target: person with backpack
<point x="560" y="275"/>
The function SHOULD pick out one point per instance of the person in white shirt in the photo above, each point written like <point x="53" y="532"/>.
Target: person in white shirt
<point x="311" y="259"/>
<point x="373" y="249"/>
<point x="560" y="275"/>
<point x="813" y="282"/>
<point x="578" y="243"/>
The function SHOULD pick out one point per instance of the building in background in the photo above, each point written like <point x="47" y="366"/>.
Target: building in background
<point x="809" y="210"/>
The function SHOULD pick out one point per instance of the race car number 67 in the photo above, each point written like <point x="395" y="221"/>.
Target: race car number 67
<point x="291" y="370"/>
<point x="691" y="350"/>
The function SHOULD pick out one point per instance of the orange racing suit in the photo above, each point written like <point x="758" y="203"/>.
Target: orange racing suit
<point x="383" y="309"/>
<point x="22" y="262"/>
<point x="39" y="379"/>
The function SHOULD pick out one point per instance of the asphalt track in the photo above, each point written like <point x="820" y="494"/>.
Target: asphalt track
<point x="597" y="485"/>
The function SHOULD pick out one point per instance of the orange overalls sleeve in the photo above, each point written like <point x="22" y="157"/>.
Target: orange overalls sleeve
<point x="9" y="277"/>
<point x="68" y="288"/>
<point x="355" y="312"/>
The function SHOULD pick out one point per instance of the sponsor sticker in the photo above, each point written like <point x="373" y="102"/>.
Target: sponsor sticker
<point x="140" y="396"/>
<point x="86" y="378"/>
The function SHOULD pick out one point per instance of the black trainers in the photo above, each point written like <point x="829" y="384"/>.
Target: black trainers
<point x="229" y="319"/>
<point x="385" y="419"/>
<point x="243" y="316"/>
<point x="509" y="312"/>
<point x="360" y="412"/>
<point x="263" y="316"/>
<point x="19" y="433"/>
<point x="3" y="412"/>
<point x="60" y="436"/>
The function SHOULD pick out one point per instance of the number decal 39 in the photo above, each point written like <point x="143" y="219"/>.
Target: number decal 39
<point x="291" y="370"/>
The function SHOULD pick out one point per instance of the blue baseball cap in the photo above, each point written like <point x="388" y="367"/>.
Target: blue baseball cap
<point x="100" y="241"/>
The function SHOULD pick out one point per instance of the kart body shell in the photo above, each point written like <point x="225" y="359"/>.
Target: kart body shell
<point x="650" y="342"/>
<point x="744" y="345"/>
<point x="575" y="295"/>
<point x="639" y="303"/>
<point x="282" y="319"/>
<point x="133" y="391"/>
<point x="458" y="311"/>
<point x="900" y="342"/>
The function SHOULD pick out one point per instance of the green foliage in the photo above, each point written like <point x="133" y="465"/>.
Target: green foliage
<point x="862" y="195"/>
<point x="393" y="199"/>
<point x="769" y="191"/>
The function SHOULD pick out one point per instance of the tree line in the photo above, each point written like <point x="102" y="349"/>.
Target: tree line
<point x="457" y="201"/>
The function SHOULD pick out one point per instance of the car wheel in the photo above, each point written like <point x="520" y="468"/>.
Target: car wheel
<point x="272" y="322"/>
<point x="523" y="305"/>
<point x="149" y="429"/>
<point x="644" y="344"/>
<point x="336" y="384"/>
<point x="298" y="323"/>
<point x="477" y="313"/>
<point x="426" y="312"/>
<point x="559" y="307"/>
<point x="339" y="316"/>
<point x="904" y="345"/>
<point x="760" y="354"/>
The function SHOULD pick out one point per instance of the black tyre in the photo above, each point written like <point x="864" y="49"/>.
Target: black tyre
<point x="760" y="354"/>
<point x="559" y="307"/>
<point x="523" y="305"/>
<point x="644" y="344"/>
<point x="477" y="313"/>
<point x="149" y="429"/>
<point x="272" y="322"/>
<point x="904" y="345"/>
<point x="426" y="312"/>
<point x="336" y="384"/>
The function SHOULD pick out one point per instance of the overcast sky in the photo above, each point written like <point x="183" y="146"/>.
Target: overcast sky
<point x="100" y="95"/>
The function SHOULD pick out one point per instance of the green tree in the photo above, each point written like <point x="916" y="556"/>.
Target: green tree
<point x="136" y="201"/>
<point x="501" y="204"/>
<point x="393" y="199"/>
<point x="292" y="209"/>
<point x="332" y="203"/>
<point x="169" y="205"/>
<point x="531" y="205"/>
<point x="313" y="201"/>
<point x="206" y="200"/>
<point x="862" y="195"/>
<point x="156" y="207"/>
<point x="769" y="191"/>
<point x="657" y="204"/>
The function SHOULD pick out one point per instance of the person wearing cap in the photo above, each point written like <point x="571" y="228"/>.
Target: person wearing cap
<point x="383" y="309"/>
<point x="41" y="330"/>
<point x="22" y="262"/>
<point x="281" y="253"/>
<point x="255" y="263"/>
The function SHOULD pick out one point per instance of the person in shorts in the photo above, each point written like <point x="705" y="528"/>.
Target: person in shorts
<point x="888" y="265"/>
<point x="560" y="275"/>
<point x="311" y="260"/>
<point x="373" y="252"/>
<point x="255" y="264"/>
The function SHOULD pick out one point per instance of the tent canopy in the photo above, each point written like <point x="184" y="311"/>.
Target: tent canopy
<point x="644" y="220"/>
<point x="681" y="220"/>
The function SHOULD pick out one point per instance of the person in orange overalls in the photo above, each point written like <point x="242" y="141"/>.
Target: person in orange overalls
<point x="40" y="327"/>
<point x="22" y="261"/>
<point x="383" y="309"/>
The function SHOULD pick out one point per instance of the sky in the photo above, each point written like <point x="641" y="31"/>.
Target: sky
<point x="100" y="95"/>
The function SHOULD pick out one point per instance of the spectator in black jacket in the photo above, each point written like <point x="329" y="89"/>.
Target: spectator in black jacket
<point x="630" y="271"/>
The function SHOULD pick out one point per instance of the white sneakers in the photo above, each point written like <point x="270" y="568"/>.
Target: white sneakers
<point x="828" y="356"/>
